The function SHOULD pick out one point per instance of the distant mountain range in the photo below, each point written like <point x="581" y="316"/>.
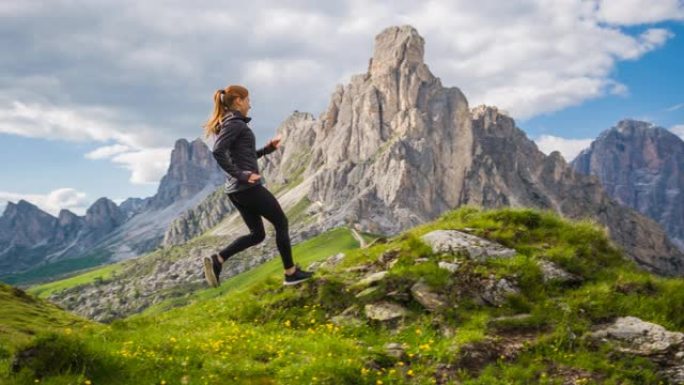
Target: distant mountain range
<point x="32" y="239"/>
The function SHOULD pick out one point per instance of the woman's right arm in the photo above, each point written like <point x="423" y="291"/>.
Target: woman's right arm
<point x="221" y="152"/>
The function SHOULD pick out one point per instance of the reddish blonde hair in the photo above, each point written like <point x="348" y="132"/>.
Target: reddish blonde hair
<point x="223" y="101"/>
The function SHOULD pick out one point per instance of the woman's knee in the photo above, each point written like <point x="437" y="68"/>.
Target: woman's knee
<point x="257" y="237"/>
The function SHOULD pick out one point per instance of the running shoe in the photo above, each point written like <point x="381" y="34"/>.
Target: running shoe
<point x="298" y="276"/>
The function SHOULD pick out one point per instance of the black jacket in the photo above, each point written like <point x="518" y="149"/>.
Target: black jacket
<point x="236" y="153"/>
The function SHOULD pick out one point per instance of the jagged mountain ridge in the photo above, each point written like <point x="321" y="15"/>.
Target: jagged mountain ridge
<point x="30" y="237"/>
<point x="641" y="166"/>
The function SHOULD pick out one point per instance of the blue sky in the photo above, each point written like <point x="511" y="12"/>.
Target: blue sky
<point x="93" y="95"/>
<point x="655" y="84"/>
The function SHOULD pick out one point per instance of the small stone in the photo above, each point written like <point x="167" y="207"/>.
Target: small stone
<point x="395" y="350"/>
<point x="370" y="279"/>
<point x="384" y="311"/>
<point x="368" y="292"/>
<point x="333" y="261"/>
<point x="452" y="267"/>
<point x="446" y="331"/>
<point x="314" y="265"/>
<point x="351" y="310"/>
<point x="551" y="271"/>
<point x="516" y="317"/>
<point x="342" y="320"/>
<point x="399" y="295"/>
<point x="388" y="256"/>
<point x="495" y="292"/>
<point x="357" y="268"/>
<point x="425" y="296"/>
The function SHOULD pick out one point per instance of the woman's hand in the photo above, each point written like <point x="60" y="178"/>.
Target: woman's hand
<point x="275" y="142"/>
<point x="253" y="177"/>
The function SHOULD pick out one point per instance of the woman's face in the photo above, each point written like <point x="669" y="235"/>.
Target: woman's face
<point x="243" y="104"/>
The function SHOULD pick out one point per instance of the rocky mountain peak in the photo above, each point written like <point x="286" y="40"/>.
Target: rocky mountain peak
<point x="23" y="223"/>
<point x="19" y="208"/>
<point x="396" y="46"/>
<point x="66" y="217"/>
<point x="631" y="126"/>
<point x="641" y="166"/>
<point x="191" y="167"/>
<point x="103" y="213"/>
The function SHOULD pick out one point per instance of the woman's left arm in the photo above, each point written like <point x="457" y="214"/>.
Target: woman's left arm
<point x="267" y="149"/>
<point x="272" y="145"/>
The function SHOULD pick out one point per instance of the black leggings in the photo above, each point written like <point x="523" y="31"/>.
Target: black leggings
<point x="253" y="203"/>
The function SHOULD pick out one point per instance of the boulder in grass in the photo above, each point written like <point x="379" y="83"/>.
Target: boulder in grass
<point x="384" y="311"/>
<point x="424" y="295"/>
<point x="552" y="272"/>
<point x="635" y="336"/>
<point x="640" y="337"/>
<point x="458" y="242"/>
<point x="495" y="292"/>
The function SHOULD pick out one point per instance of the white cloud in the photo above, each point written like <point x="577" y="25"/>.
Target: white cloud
<point x="147" y="166"/>
<point x="569" y="148"/>
<point x="107" y="151"/>
<point x="678" y="130"/>
<point x="629" y="12"/>
<point x="529" y="57"/>
<point x="71" y="123"/>
<point x="52" y="202"/>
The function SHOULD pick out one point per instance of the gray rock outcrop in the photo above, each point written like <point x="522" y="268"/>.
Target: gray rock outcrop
<point x="635" y="336"/>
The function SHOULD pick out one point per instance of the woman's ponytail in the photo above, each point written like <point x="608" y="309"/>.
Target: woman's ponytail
<point x="223" y="101"/>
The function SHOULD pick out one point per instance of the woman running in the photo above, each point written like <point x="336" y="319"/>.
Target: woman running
<point x="236" y="153"/>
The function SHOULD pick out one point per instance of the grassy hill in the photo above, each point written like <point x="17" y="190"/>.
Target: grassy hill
<point x="253" y="330"/>
<point x="23" y="317"/>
